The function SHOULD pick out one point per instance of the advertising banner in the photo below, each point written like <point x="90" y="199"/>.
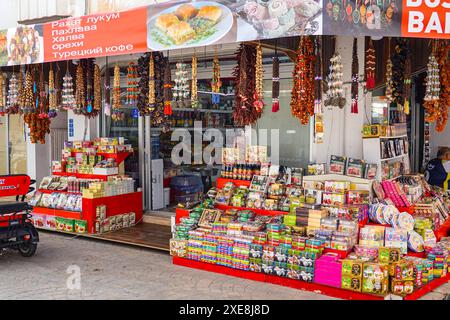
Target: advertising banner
<point x="106" y="34"/>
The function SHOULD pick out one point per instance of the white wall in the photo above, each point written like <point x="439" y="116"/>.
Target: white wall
<point x="343" y="129"/>
<point x="9" y="14"/>
<point x="439" y="139"/>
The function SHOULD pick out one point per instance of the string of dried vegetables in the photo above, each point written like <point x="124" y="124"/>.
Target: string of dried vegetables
<point x="97" y="105"/>
<point x="275" y="83"/>
<point x="370" y="66"/>
<point x="132" y="84"/>
<point x="116" y="113"/>
<point x="355" y="77"/>
<point x="2" y="97"/>
<point x="180" y="91"/>
<point x="244" y="112"/>
<point x="407" y="85"/>
<point x="216" y="83"/>
<point x="442" y="53"/>
<point x="389" y="89"/>
<point x="28" y="97"/>
<point x="302" y="101"/>
<point x="259" y="80"/>
<point x="194" y="85"/>
<point x="42" y="95"/>
<point x="80" y="92"/>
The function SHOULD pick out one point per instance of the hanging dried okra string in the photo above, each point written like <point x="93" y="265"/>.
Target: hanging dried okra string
<point x="151" y="83"/>
<point x="259" y="80"/>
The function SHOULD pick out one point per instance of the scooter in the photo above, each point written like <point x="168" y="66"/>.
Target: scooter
<point x="16" y="229"/>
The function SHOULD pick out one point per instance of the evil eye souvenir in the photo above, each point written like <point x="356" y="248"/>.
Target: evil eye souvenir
<point x="362" y="11"/>
<point x="355" y="14"/>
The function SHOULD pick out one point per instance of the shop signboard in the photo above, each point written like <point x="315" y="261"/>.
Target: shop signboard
<point x="184" y="24"/>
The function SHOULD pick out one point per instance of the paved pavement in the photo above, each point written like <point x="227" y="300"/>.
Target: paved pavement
<point x="111" y="271"/>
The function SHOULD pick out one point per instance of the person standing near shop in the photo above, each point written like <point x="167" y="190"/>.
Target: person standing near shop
<point x="437" y="172"/>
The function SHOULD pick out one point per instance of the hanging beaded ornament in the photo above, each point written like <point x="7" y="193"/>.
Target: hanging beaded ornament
<point x="117" y="114"/>
<point x="181" y="88"/>
<point x="318" y="78"/>
<point x="259" y="80"/>
<point x="80" y="92"/>
<point x="194" y="85"/>
<point x="355" y="77"/>
<point x="370" y="66"/>
<point x="151" y="84"/>
<point x="13" y="95"/>
<point x="21" y="92"/>
<point x="168" y="90"/>
<point x="302" y="101"/>
<point x="275" y="84"/>
<point x="432" y="90"/>
<point x="28" y="98"/>
<point x="52" y="106"/>
<point x="97" y="90"/>
<point x="389" y="89"/>
<point x="42" y="97"/>
<point x="216" y="83"/>
<point x="2" y="98"/>
<point x="335" y="93"/>
<point x="132" y="84"/>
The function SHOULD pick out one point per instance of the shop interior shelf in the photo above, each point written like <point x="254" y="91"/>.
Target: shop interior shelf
<point x="302" y="285"/>
<point x="119" y="156"/>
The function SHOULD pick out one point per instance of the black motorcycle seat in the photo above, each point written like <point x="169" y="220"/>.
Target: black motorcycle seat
<point x="13" y="207"/>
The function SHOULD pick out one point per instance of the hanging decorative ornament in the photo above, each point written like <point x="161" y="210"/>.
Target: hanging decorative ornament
<point x="302" y="101"/>
<point x="318" y="77"/>
<point x="52" y="106"/>
<point x="442" y="56"/>
<point x="117" y="114"/>
<point x="432" y="91"/>
<point x="168" y="90"/>
<point x="180" y="90"/>
<point x="97" y="90"/>
<point x="259" y="80"/>
<point x="2" y="98"/>
<point x="21" y="92"/>
<point x="132" y="84"/>
<point x="28" y="102"/>
<point x="89" y="69"/>
<point x="42" y="97"/>
<point x="407" y="85"/>
<point x="68" y="98"/>
<point x="244" y="112"/>
<point x="216" y="83"/>
<point x="389" y="89"/>
<point x="13" y="96"/>
<point x="80" y="92"/>
<point x="58" y="90"/>
<point x="370" y="66"/>
<point x="151" y="84"/>
<point x="194" y="85"/>
<point x="335" y="93"/>
<point x="355" y="77"/>
<point x="275" y="83"/>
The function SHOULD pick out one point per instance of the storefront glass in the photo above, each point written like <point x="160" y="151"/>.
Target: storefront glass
<point x="17" y="145"/>
<point x="3" y="146"/>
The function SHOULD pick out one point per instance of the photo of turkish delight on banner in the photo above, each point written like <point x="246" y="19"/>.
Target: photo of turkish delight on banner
<point x="25" y="45"/>
<point x="186" y="24"/>
<point x="265" y="19"/>
<point x="381" y="18"/>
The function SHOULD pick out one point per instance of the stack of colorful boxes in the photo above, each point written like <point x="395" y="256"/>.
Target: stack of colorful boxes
<point x="328" y="270"/>
<point x="209" y="248"/>
<point x="195" y="245"/>
<point x="438" y="255"/>
<point x="241" y="250"/>
<point x="225" y="251"/>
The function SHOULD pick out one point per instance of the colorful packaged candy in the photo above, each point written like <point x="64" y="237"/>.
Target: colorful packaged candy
<point x="375" y="278"/>
<point x="388" y="255"/>
<point x="396" y="238"/>
<point x="415" y="241"/>
<point x="358" y="197"/>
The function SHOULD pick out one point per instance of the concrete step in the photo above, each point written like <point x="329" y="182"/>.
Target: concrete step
<point x="162" y="218"/>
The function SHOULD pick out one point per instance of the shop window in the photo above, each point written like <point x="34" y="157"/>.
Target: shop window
<point x="3" y="146"/>
<point x="17" y="145"/>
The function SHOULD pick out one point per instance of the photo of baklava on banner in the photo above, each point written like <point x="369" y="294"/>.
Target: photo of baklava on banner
<point x="25" y="45"/>
<point x="362" y="17"/>
<point x="190" y="24"/>
<point x="265" y="19"/>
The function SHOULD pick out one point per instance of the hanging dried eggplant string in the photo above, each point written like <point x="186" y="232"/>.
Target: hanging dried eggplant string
<point x="318" y="77"/>
<point x="97" y="90"/>
<point x="302" y="101"/>
<point x="370" y="66"/>
<point x="52" y="106"/>
<point x="143" y="68"/>
<point x="401" y="52"/>
<point x="259" y="80"/>
<point x="275" y="81"/>
<point x="244" y="112"/>
<point x="407" y="85"/>
<point x="216" y="83"/>
<point x="389" y="88"/>
<point x="151" y="83"/>
<point x="442" y="56"/>
<point x="43" y="112"/>
<point x="167" y="89"/>
<point x="194" y="84"/>
<point x="355" y="77"/>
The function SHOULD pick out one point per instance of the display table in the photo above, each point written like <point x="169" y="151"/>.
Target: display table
<point x="303" y="285"/>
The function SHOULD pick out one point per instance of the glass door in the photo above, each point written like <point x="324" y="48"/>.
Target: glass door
<point x="17" y="145"/>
